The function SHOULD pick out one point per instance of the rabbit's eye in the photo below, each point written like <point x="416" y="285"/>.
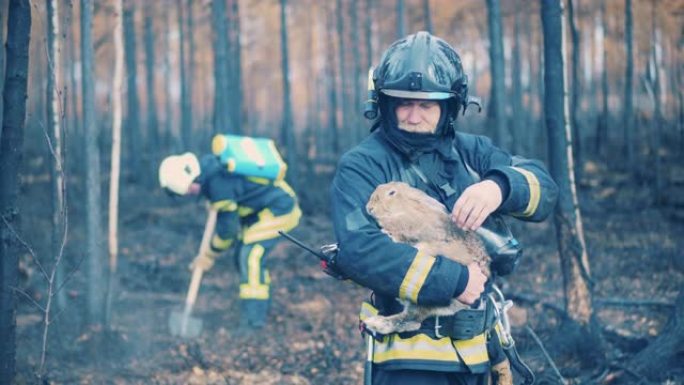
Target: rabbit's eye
<point x="392" y="192"/>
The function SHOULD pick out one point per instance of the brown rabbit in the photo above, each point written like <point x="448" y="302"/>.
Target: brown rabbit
<point x="409" y="215"/>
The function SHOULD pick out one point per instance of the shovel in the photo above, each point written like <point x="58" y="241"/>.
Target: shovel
<point x="182" y="323"/>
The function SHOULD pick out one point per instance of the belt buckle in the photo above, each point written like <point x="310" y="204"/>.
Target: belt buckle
<point x="437" y="327"/>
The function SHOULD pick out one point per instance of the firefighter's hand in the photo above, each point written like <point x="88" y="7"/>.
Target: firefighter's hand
<point x="475" y="285"/>
<point x="475" y="204"/>
<point x="204" y="261"/>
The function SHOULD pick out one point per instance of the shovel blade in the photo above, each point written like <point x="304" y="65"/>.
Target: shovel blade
<point x="184" y="325"/>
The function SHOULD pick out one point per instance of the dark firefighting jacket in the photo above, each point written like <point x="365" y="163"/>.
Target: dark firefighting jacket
<point x="252" y="208"/>
<point x="396" y="270"/>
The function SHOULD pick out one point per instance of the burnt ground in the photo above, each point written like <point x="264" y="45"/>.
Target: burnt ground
<point x="634" y="249"/>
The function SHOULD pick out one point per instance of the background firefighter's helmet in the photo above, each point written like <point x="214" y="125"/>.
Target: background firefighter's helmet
<point x="422" y="66"/>
<point x="178" y="172"/>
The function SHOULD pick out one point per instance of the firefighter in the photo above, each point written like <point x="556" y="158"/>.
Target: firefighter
<point x="419" y="89"/>
<point x="251" y="211"/>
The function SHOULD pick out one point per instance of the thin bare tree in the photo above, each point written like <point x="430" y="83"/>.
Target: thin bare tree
<point x="115" y="172"/>
<point x="497" y="105"/>
<point x="55" y="98"/>
<point x="287" y="125"/>
<point x="94" y="247"/>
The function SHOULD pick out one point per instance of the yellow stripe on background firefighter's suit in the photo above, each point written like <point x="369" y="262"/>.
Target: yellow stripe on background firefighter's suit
<point x="268" y="225"/>
<point x="535" y="192"/>
<point x="254" y="289"/>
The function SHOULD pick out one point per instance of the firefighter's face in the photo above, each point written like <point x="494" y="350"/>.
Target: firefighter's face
<point x="418" y="115"/>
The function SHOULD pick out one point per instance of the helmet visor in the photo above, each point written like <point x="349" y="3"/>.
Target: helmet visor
<point x="417" y="94"/>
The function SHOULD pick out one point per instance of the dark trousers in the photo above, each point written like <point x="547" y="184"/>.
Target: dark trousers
<point x="425" y="377"/>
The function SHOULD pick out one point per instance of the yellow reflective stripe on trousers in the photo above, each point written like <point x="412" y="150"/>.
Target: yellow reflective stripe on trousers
<point x="268" y="225"/>
<point x="535" y="192"/>
<point x="415" y="276"/>
<point x="472" y="351"/>
<point x="225" y="205"/>
<point x="254" y="289"/>
<point x="220" y="244"/>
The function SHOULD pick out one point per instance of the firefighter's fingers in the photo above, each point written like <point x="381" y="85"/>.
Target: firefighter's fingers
<point x="461" y="210"/>
<point x="475" y="286"/>
<point x="476" y="218"/>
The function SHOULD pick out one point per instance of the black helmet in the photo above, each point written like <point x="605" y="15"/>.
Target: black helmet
<point x="422" y="66"/>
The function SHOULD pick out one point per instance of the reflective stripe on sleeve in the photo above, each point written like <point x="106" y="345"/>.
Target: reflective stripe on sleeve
<point x="535" y="192"/>
<point x="415" y="276"/>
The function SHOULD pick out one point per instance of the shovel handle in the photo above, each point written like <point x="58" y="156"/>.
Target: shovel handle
<point x="197" y="272"/>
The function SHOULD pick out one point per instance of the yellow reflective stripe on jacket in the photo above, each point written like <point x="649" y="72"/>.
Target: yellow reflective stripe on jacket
<point x="219" y="243"/>
<point x="254" y="289"/>
<point x="225" y="205"/>
<point x="535" y="192"/>
<point x="268" y="225"/>
<point x="285" y="187"/>
<point x="259" y="180"/>
<point x="367" y="310"/>
<point x="415" y="276"/>
<point x="243" y="211"/>
<point x="418" y="347"/>
<point x="472" y="352"/>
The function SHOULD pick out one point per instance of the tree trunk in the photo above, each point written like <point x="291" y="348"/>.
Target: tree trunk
<point x="344" y="139"/>
<point x="169" y="117"/>
<point x="190" y="76"/>
<point x="516" y="75"/>
<point x="96" y="289"/>
<point x="117" y="100"/>
<point x="574" y="104"/>
<point x="222" y="120"/>
<point x="496" y="61"/>
<point x="580" y="335"/>
<point x="288" y="129"/>
<point x="332" y="89"/>
<point x="236" y="73"/>
<point x="185" y="129"/>
<point x="153" y="141"/>
<point x="656" y="60"/>
<point x="401" y="19"/>
<point x="76" y="144"/>
<point x="427" y="15"/>
<point x="357" y="75"/>
<point x="55" y="101"/>
<point x="602" y="127"/>
<point x="628" y="112"/>
<point x="133" y="137"/>
<point x="11" y="143"/>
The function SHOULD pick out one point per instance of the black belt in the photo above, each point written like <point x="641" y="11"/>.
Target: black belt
<point x="463" y="325"/>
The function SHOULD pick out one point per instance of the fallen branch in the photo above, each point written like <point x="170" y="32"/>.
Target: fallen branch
<point x="546" y="354"/>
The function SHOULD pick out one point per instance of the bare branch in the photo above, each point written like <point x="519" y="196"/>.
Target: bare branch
<point x="26" y="246"/>
<point x="546" y="354"/>
<point x="25" y="294"/>
<point x="70" y="275"/>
